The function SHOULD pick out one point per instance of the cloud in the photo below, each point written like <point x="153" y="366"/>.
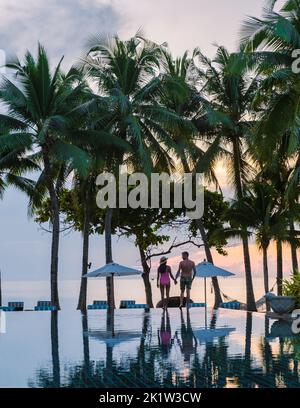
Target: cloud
<point x="187" y="24"/>
<point x="63" y="26"/>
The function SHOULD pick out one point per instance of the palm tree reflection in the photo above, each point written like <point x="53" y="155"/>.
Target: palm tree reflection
<point x="50" y="378"/>
<point x="188" y="358"/>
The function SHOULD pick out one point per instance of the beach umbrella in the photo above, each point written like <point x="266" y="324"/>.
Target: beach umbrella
<point x="113" y="338"/>
<point x="208" y="270"/>
<point x="208" y="335"/>
<point x="113" y="269"/>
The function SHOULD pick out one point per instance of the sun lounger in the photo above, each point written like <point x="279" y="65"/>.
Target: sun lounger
<point x="44" y="305"/>
<point x="195" y="304"/>
<point x="138" y="306"/>
<point x="7" y="309"/>
<point x="42" y="308"/>
<point x="98" y="305"/>
<point x="100" y="302"/>
<point x="14" y="307"/>
<point x="124" y="304"/>
<point x="231" y="305"/>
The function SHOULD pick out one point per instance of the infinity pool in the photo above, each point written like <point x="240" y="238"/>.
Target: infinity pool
<point x="139" y="349"/>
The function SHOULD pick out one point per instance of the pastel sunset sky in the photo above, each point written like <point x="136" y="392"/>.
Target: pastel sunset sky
<point x="63" y="26"/>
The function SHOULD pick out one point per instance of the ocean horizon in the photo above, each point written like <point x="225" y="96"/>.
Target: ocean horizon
<point x="125" y="288"/>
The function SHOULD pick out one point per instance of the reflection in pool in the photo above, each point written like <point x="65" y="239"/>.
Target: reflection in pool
<point x="134" y="348"/>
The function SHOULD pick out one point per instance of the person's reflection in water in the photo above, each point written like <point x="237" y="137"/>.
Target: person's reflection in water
<point x="165" y="340"/>
<point x="188" y="343"/>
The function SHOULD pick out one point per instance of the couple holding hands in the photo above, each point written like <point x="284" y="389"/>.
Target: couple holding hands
<point x="187" y="273"/>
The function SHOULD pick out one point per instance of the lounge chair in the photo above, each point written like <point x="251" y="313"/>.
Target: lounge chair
<point x="44" y="305"/>
<point x="14" y="307"/>
<point x="138" y="306"/>
<point x="7" y="309"/>
<point x="195" y="304"/>
<point x="98" y="305"/>
<point x="231" y="305"/>
<point x="124" y="304"/>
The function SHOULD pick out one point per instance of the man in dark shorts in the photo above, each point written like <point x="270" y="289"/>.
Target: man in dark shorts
<point x="187" y="273"/>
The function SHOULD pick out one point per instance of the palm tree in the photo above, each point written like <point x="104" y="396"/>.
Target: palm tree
<point x="125" y="73"/>
<point x="270" y="42"/>
<point x="278" y="171"/>
<point x="40" y="107"/>
<point x="13" y="163"/>
<point x="258" y="211"/>
<point x="98" y="146"/>
<point x="181" y="95"/>
<point x="85" y="189"/>
<point x="230" y="90"/>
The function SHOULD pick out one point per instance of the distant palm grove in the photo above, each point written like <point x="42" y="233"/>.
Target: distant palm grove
<point x="132" y="103"/>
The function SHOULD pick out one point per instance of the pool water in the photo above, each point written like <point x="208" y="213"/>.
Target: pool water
<point x="223" y="348"/>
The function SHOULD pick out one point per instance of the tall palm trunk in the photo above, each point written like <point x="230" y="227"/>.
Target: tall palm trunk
<point x="55" y="349"/>
<point x="208" y="254"/>
<point x="55" y="230"/>
<point x="251" y="306"/>
<point x="266" y="270"/>
<point x="146" y="278"/>
<point x="265" y="266"/>
<point x="110" y="328"/>
<point x="86" y="347"/>
<point x="279" y="267"/>
<point x="109" y="259"/>
<point x="200" y="226"/>
<point x="85" y="253"/>
<point x="293" y="249"/>
<point x="248" y="341"/>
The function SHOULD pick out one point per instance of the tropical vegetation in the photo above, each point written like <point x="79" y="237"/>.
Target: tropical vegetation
<point x="131" y="104"/>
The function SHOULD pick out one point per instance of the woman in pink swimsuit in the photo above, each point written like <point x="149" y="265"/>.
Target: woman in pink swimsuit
<point x="164" y="274"/>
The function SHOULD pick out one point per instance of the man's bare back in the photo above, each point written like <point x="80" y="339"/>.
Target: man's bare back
<point x="187" y="272"/>
<point x="186" y="266"/>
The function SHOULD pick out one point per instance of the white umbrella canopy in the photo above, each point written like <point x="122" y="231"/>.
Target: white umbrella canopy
<point x="208" y="270"/>
<point x="208" y="335"/>
<point x="112" y="338"/>
<point x="113" y="269"/>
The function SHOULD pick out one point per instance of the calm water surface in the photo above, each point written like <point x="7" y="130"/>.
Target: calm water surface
<point x="139" y="349"/>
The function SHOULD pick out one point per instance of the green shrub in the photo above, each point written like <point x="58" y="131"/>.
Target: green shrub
<point x="292" y="288"/>
<point x="293" y="345"/>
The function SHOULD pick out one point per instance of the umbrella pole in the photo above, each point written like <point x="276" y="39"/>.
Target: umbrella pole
<point x="205" y="300"/>
<point x="0" y="290"/>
